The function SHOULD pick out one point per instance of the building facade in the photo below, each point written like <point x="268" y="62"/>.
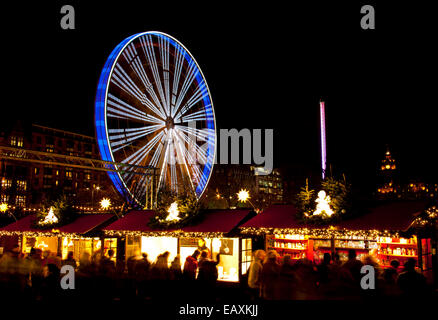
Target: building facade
<point x="269" y="186"/>
<point x="228" y="179"/>
<point x="27" y="184"/>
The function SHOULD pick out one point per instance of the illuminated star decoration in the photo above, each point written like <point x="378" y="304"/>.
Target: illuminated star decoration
<point x="3" y="207"/>
<point x="105" y="203"/>
<point x="323" y="204"/>
<point x="50" y="218"/>
<point x="173" y="212"/>
<point x="243" y="195"/>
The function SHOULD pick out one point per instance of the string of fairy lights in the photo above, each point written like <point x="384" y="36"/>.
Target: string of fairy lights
<point x="164" y="233"/>
<point x="105" y="205"/>
<point x="321" y="233"/>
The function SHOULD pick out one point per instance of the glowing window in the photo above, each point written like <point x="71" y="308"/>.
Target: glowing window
<point x="6" y="183"/>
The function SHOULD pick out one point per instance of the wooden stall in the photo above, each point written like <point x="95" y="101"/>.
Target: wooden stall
<point x="213" y="232"/>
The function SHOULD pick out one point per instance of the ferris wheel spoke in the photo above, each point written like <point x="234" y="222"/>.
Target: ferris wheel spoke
<point x="157" y="155"/>
<point x="200" y="93"/>
<point x="164" y="165"/>
<point x="200" y="134"/>
<point x="182" y="156"/>
<point x="120" y="109"/>
<point x="172" y="165"/>
<point x="164" y="52"/>
<point x="201" y="115"/>
<point x="179" y="61"/>
<point x="138" y="156"/>
<point x="124" y="82"/>
<point x="150" y="55"/>
<point x="134" y="134"/>
<point x="133" y="59"/>
<point x="200" y="153"/>
<point x="141" y="185"/>
<point x="191" y="74"/>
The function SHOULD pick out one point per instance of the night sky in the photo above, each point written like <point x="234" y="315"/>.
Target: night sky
<point x="266" y="66"/>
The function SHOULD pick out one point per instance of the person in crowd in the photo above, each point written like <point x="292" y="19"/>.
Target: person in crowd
<point x="208" y="268"/>
<point x="45" y="259"/>
<point x="324" y="268"/>
<point x="337" y="259"/>
<point x="142" y="266"/>
<point x="370" y="260"/>
<point x="131" y="263"/>
<point x="175" y="268"/>
<point x="191" y="266"/>
<point x="254" y="274"/>
<point x="70" y="260"/>
<point x="106" y="273"/>
<point x="270" y="276"/>
<point x="55" y="259"/>
<point x="141" y="271"/>
<point x="107" y="266"/>
<point x="207" y="275"/>
<point x="85" y="267"/>
<point x="411" y="283"/>
<point x="354" y="266"/>
<point x="329" y="277"/>
<point x="307" y="278"/>
<point x="160" y="275"/>
<point x="35" y="269"/>
<point x="50" y="285"/>
<point x="160" y="269"/>
<point x="390" y="276"/>
<point x="287" y="281"/>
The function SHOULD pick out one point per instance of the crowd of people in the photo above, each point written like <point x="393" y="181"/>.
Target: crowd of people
<point x="37" y="276"/>
<point x="273" y="278"/>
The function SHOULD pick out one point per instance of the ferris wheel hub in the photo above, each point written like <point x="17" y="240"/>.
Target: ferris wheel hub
<point x="170" y="124"/>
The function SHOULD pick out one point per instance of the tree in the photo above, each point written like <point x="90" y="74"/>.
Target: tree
<point x="339" y="193"/>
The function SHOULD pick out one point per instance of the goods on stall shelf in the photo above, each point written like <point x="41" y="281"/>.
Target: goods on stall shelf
<point x="292" y="244"/>
<point x="383" y="248"/>
<point x="397" y="248"/>
<point x="322" y="243"/>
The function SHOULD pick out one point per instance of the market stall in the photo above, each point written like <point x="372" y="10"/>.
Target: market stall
<point x="210" y="233"/>
<point x="383" y="231"/>
<point x="79" y="236"/>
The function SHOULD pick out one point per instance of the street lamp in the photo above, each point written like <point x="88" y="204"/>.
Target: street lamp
<point x="92" y="195"/>
<point x="105" y="203"/>
<point x="243" y="196"/>
<point x="4" y="207"/>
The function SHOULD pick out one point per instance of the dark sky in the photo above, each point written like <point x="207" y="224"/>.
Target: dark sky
<point x="266" y="66"/>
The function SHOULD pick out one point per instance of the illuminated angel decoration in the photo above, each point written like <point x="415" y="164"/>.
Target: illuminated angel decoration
<point x="323" y="204"/>
<point x="173" y="212"/>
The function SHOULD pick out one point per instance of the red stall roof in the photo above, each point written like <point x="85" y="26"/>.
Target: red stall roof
<point x="396" y="216"/>
<point x="86" y="223"/>
<point x="392" y="216"/>
<point x="276" y="216"/>
<point x="82" y="225"/>
<point x="22" y="225"/>
<point x="136" y="220"/>
<point x="221" y="221"/>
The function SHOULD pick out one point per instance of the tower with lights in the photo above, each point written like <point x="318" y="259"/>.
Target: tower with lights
<point x="388" y="186"/>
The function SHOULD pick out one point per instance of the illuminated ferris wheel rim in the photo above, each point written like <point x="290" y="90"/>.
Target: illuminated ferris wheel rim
<point x="101" y="103"/>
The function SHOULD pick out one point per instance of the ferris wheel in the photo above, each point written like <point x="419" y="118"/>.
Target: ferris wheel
<point x="153" y="109"/>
